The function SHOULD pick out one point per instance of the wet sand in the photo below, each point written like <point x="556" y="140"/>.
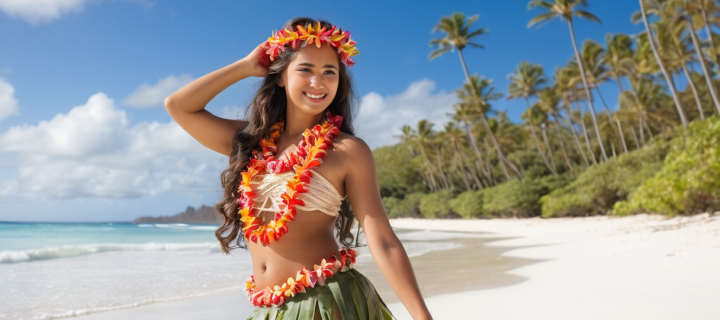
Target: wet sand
<point x="476" y="266"/>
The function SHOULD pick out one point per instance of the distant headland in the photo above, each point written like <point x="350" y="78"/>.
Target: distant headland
<point x="204" y="214"/>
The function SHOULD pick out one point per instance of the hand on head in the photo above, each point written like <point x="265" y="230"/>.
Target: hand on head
<point x="258" y="60"/>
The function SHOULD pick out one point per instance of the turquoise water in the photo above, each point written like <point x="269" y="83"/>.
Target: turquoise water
<point x="22" y="242"/>
<point x="59" y="270"/>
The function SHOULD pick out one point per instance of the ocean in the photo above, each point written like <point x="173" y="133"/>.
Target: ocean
<point x="60" y="270"/>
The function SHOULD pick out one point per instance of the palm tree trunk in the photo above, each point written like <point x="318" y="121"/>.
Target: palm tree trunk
<point x="574" y="133"/>
<point x="459" y="166"/>
<point x="473" y="143"/>
<point x="635" y="137"/>
<point x="429" y="169"/>
<point x="651" y="39"/>
<point x="709" y="32"/>
<point x="648" y="129"/>
<point x="587" y="89"/>
<point x="618" y="126"/>
<point x="547" y="143"/>
<point x="443" y="176"/>
<point x="488" y="164"/>
<point x="501" y="156"/>
<point x="562" y="143"/>
<point x="642" y="127"/>
<point x="694" y="91"/>
<point x="542" y="154"/>
<point x="707" y="72"/>
<point x="585" y="133"/>
<point x="617" y="80"/>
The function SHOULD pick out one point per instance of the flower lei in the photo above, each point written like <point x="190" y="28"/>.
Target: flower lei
<point x="310" y="152"/>
<point x="334" y="36"/>
<point x="304" y="279"/>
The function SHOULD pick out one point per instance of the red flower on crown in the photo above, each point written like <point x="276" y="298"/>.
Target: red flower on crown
<point x="317" y="35"/>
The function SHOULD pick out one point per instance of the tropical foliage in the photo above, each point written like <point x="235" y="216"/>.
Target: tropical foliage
<point x="572" y="154"/>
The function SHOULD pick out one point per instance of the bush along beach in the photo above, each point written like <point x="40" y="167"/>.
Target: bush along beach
<point x="572" y="154"/>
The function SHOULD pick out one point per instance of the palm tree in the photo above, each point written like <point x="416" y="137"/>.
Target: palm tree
<point x="678" y="55"/>
<point x="596" y="73"/>
<point x="424" y="135"/>
<point x="416" y="142"/>
<point x="640" y="69"/>
<point x="709" y="6"/>
<point x="680" y="11"/>
<point x="567" y="9"/>
<point x="549" y="102"/>
<point x="535" y="116"/>
<point x="525" y="83"/>
<point x="466" y="114"/>
<point x="458" y="36"/>
<point x="667" y="76"/>
<point x="563" y="83"/>
<point x="478" y="92"/>
<point x="454" y="137"/>
<point x="617" y="54"/>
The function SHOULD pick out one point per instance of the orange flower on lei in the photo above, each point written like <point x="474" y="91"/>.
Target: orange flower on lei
<point x="310" y="152"/>
<point x="304" y="279"/>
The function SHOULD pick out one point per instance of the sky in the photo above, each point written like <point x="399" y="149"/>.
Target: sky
<point x="84" y="135"/>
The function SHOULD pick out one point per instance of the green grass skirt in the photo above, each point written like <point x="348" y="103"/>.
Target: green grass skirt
<point x="355" y="296"/>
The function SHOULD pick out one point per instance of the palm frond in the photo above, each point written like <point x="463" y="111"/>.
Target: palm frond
<point x="586" y="15"/>
<point x="475" y="45"/>
<point x="547" y="16"/>
<point x="439" y="52"/>
<point x="476" y="33"/>
<point x="539" y="3"/>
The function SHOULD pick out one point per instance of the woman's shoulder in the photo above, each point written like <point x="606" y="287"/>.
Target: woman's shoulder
<point x="352" y="149"/>
<point x="347" y="143"/>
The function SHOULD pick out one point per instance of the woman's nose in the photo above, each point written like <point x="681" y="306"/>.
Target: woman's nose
<point x="316" y="82"/>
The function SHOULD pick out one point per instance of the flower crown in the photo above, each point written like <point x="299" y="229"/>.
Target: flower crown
<point x="334" y="36"/>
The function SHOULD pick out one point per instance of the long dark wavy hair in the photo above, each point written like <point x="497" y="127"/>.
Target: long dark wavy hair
<point x="266" y="108"/>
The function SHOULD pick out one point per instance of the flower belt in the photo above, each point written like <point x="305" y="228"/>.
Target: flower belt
<point x="304" y="279"/>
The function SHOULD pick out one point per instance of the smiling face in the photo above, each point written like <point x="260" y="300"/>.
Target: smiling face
<point x="311" y="79"/>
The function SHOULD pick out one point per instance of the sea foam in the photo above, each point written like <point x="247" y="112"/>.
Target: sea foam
<point x="10" y="256"/>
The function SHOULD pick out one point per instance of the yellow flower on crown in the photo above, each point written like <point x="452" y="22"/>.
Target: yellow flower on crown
<point x="317" y="35"/>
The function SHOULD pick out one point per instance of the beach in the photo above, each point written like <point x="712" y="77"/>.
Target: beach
<point x="637" y="267"/>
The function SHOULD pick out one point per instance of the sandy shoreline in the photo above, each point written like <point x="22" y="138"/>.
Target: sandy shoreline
<point x="639" y="267"/>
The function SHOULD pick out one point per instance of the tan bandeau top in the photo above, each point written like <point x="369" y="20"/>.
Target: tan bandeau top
<point x="320" y="194"/>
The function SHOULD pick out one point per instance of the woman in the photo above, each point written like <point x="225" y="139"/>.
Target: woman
<point x="279" y="201"/>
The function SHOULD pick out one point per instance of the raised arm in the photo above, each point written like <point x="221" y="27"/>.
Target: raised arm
<point x="361" y="186"/>
<point x="187" y="105"/>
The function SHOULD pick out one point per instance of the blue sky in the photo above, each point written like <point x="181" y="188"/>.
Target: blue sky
<point x="87" y="138"/>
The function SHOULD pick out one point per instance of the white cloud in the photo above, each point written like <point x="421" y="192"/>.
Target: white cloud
<point x="93" y="151"/>
<point x="232" y="112"/>
<point x="149" y="96"/>
<point x="8" y="103"/>
<point x="380" y="118"/>
<point x="38" y="11"/>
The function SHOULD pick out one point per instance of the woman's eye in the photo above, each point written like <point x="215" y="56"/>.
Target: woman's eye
<point x="329" y="72"/>
<point x="304" y="69"/>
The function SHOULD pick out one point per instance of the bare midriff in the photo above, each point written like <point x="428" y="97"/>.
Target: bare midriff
<point x="310" y="239"/>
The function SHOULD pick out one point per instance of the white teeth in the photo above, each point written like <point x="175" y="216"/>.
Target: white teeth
<point x="314" y="96"/>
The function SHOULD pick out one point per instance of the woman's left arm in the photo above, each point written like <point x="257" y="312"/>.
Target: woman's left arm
<point x="361" y="186"/>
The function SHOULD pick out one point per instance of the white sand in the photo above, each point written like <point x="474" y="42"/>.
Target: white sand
<point x="638" y="267"/>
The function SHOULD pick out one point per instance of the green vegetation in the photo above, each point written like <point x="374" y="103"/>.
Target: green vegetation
<point x="573" y="154"/>
<point x="596" y="190"/>
<point x="689" y="181"/>
<point x="468" y="204"/>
